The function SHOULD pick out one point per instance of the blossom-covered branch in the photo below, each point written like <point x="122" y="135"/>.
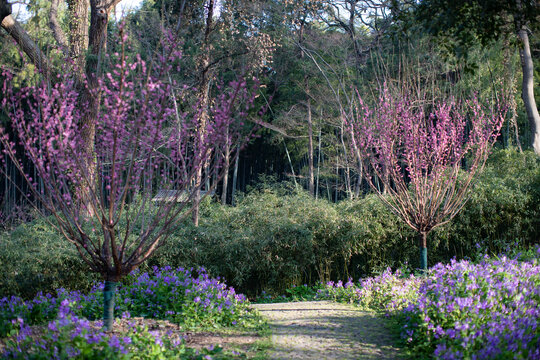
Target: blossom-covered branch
<point x="142" y="144"/>
<point x="419" y="155"/>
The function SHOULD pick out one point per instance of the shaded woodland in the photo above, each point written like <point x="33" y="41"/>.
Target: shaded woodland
<point x="309" y="57"/>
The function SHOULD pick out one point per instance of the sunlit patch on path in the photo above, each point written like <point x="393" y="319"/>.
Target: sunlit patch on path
<point x="326" y="330"/>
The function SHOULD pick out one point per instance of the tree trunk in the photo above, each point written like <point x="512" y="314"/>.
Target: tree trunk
<point x="527" y="90"/>
<point x="358" y="186"/>
<point x="318" y="166"/>
<point x="422" y="237"/>
<point x="204" y="88"/>
<point x="54" y="24"/>
<point x="235" y="175"/>
<point x="197" y="197"/>
<point x="226" y="166"/>
<point x="290" y="163"/>
<point x="99" y="17"/>
<point x="348" y="182"/>
<point x="78" y="32"/>
<point x="310" y="150"/>
<point x="337" y="181"/>
<point x="109" y="292"/>
<point x="510" y="77"/>
<point x="203" y="118"/>
<point x="348" y="187"/>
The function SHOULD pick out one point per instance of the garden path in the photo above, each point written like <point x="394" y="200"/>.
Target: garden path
<point x="326" y="330"/>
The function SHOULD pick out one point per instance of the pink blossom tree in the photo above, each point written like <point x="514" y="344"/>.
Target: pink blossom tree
<point x="425" y="160"/>
<point x="143" y="143"/>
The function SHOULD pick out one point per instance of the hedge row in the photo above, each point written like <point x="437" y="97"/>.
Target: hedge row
<point x="277" y="236"/>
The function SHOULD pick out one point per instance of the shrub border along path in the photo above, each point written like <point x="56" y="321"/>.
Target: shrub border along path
<point x="327" y="330"/>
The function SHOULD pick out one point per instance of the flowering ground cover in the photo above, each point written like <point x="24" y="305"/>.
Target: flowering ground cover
<point x="462" y="310"/>
<point x="65" y="326"/>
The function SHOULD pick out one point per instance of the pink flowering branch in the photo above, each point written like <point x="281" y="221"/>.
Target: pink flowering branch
<point x="418" y="156"/>
<point x="142" y="144"/>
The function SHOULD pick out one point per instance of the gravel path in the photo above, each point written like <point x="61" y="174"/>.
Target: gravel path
<point x="326" y="330"/>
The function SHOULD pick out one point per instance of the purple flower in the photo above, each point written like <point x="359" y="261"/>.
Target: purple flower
<point x="114" y="342"/>
<point x="52" y="326"/>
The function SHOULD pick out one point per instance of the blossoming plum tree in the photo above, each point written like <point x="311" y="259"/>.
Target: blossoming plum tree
<point x="143" y="143"/>
<point x="419" y="156"/>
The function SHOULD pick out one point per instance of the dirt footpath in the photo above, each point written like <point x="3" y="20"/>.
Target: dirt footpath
<point x="326" y="330"/>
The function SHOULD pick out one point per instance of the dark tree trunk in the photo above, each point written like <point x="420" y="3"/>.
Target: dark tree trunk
<point x="235" y="175"/>
<point x="226" y="166"/>
<point x="54" y="24"/>
<point x="204" y="89"/>
<point x="310" y="150"/>
<point x="318" y="166"/>
<point x="78" y="32"/>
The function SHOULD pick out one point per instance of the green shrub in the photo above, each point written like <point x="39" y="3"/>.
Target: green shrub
<point x="502" y="213"/>
<point x="381" y="238"/>
<point x="258" y="244"/>
<point x="277" y="237"/>
<point x="34" y="257"/>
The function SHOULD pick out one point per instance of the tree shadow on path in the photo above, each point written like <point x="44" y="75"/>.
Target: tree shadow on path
<point x="327" y="330"/>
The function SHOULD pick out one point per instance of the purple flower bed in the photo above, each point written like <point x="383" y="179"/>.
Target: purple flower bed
<point x="73" y="337"/>
<point x="389" y="291"/>
<point x="461" y="310"/>
<point x="177" y="296"/>
<point x="193" y="301"/>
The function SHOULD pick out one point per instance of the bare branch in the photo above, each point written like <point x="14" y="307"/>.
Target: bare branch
<point x="28" y="46"/>
<point x="273" y="127"/>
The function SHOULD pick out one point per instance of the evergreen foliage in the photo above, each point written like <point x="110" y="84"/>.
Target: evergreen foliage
<point x="277" y="236"/>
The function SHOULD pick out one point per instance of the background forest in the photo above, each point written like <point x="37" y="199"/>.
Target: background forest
<point x="293" y="206"/>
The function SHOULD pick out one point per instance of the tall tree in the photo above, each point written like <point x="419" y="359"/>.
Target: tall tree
<point x="222" y="40"/>
<point x="205" y="76"/>
<point x="86" y="49"/>
<point x="470" y="21"/>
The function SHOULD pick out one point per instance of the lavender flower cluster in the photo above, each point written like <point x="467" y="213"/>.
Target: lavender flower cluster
<point x="389" y="291"/>
<point x="14" y="311"/>
<point x="480" y="311"/>
<point x="164" y="293"/>
<point x="177" y="296"/>
<point x="73" y="337"/>
<point x="461" y="310"/>
<point x="63" y="338"/>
